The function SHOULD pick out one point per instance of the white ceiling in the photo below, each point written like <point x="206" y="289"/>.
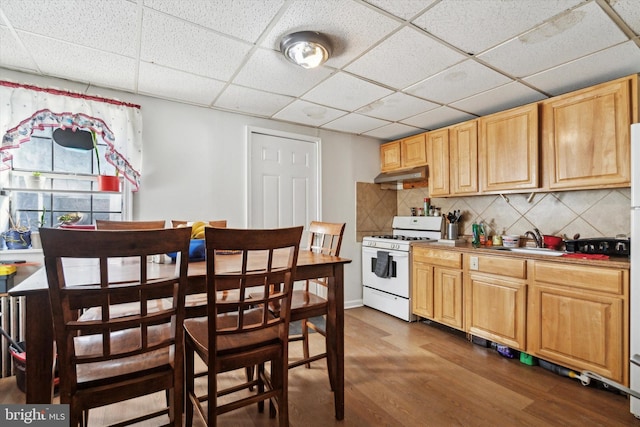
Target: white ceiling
<point x="399" y="67"/>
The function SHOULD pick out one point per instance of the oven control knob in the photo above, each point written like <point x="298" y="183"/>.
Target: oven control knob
<point x="395" y="246"/>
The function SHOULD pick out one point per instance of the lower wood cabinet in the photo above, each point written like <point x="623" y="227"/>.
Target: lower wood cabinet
<point x="578" y="317"/>
<point x="447" y="297"/>
<point x="496" y="299"/>
<point x="437" y="286"/>
<point x="570" y="314"/>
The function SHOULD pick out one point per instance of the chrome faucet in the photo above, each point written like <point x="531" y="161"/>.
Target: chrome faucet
<point x="536" y="236"/>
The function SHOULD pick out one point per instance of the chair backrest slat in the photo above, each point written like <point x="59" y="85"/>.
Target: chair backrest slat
<point x="102" y="224"/>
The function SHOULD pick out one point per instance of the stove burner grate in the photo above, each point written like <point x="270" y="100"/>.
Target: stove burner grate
<point x="397" y="237"/>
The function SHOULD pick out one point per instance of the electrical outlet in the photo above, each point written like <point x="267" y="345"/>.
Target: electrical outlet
<point x="473" y="263"/>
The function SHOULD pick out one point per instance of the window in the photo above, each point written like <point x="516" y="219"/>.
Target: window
<point x="70" y="185"/>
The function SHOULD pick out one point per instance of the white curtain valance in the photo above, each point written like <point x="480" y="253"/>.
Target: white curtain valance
<point x="25" y="108"/>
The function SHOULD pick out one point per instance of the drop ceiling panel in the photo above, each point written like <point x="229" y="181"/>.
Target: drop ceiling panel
<point x="498" y="99"/>
<point x="173" y="84"/>
<point x="440" y="117"/>
<point x="629" y="11"/>
<point x="111" y="29"/>
<point x="584" y="30"/>
<point x="394" y="131"/>
<point x="183" y="46"/>
<point x="355" y="123"/>
<point x="308" y="113"/>
<point x="251" y="101"/>
<point x="404" y="9"/>
<point x="242" y="19"/>
<point x="86" y="65"/>
<point x="611" y="63"/>
<point x="12" y="54"/>
<point x="458" y="82"/>
<point x="404" y="59"/>
<point x="474" y="26"/>
<point x="346" y="92"/>
<point x="269" y="70"/>
<point x="396" y="107"/>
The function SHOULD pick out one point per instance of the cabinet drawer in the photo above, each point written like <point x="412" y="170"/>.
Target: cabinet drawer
<point x="500" y="265"/>
<point x="608" y="280"/>
<point x="442" y="258"/>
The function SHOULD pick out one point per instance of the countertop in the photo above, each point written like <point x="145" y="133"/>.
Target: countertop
<point x="612" y="262"/>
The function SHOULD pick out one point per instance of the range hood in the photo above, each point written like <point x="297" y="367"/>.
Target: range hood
<point x="407" y="175"/>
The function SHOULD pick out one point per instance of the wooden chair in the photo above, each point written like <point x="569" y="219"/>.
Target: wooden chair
<point x="103" y="224"/>
<point x="326" y="238"/>
<point x="112" y="358"/>
<point x="222" y="223"/>
<point x="238" y="331"/>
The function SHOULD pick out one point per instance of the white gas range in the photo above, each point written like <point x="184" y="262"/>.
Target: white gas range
<point x="385" y="263"/>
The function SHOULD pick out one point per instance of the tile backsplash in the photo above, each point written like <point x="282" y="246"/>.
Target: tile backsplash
<point x="591" y="213"/>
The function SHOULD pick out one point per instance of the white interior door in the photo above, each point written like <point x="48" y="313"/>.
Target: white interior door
<point x="283" y="176"/>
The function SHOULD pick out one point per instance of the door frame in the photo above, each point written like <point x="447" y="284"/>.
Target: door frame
<point x="251" y="130"/>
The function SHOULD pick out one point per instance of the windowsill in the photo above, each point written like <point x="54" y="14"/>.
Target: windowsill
<point x="20" y="251"/>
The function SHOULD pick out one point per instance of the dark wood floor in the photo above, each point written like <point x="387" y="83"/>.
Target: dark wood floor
<point x="414" y="374"/>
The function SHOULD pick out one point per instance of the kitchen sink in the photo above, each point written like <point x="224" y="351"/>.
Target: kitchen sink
<point x="532" y="251"/>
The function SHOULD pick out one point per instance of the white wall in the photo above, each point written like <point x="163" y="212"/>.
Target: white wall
<point x="194" y="166"/>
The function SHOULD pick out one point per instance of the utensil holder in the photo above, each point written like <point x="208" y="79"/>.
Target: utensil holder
<point x="452" y="231"/>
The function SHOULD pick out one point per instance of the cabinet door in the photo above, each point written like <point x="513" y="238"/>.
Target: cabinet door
<point x="577" y="329"/>
<point x="463" y="144"/>
<point x="413" y="151"/>
<point x="438" y="160"/>
<point x="390" y="156"/>
<point x="422" y="290"/>
<point x="447" y="293"/>
<point x="496" y="309"/>
<point x="508" y="150"/>
<point x="586" y="137"/>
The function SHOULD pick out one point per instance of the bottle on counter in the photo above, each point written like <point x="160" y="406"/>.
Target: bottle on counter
<point x="427" y="201"/>
<point x="482" y="236"/>
<point x="475" y="230"/>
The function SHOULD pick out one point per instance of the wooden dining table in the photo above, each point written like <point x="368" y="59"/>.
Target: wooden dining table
<point x="39" y="335"/>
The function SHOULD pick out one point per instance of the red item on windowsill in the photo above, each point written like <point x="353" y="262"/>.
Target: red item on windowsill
<point x="586" y="256"/>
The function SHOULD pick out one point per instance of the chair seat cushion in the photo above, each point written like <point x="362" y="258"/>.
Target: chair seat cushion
<point x="302" y="299"/>
<point x="125" y="340"/>
<point x="306" y="304"/>
<point x="197" y="331"/>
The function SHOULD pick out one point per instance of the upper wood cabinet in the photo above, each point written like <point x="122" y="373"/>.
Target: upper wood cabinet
<point x="390" y="156"/>
<point x="463" y="150"/>
<point x="413" y="151"/>
<point x="438" y="161"/>
<point x="403" y="153"/>
<point x="586" y="136"/>
<point x="508" y="150"/>
<point x="452" y="156"/>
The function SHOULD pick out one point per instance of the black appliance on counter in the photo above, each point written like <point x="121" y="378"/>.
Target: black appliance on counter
<point x="600" y="245"/>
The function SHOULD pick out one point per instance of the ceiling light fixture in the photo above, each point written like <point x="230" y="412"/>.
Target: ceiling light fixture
<point x="307" y="49"/>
